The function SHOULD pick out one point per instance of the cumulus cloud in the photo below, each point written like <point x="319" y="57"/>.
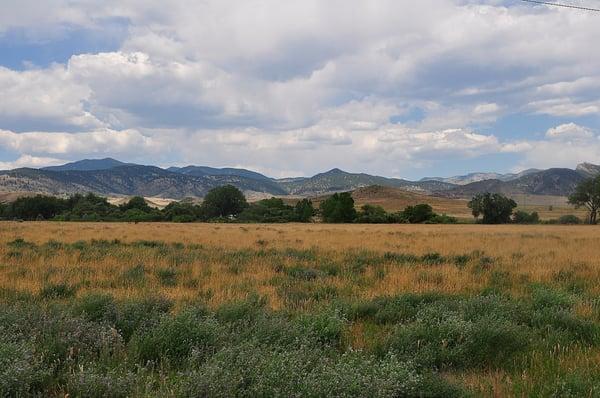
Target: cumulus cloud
<point x="30" y="161"/>
<point x="301" y="86"/>
<point x="569" y="131"/>
<point x="72" y="144"/>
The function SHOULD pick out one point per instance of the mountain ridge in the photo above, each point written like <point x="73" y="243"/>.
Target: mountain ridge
<point x="109" y="176"/>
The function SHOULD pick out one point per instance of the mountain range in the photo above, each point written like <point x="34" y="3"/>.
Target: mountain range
<point x="114" y="178"/>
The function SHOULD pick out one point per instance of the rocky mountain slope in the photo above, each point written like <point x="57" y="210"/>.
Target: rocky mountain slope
<point x="559" y="182"/>
<point x="112" y="177"/>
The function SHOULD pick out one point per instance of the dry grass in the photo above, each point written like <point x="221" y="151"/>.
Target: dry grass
<point x="224" y="260"/>
<point x="302" y="266"/>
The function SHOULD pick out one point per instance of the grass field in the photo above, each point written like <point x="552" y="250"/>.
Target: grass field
<point x="101" y="309"/>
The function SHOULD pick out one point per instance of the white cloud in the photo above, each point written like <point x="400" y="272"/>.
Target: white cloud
<point x="30" y="161"/>
<point x="303" y="85"/>
<point x="569" y="131"/>
<point x="73" y="144"/>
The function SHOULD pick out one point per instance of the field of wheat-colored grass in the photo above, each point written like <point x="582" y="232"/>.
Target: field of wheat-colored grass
<point x="310" y="268"/>
<point x="522" y="254"/>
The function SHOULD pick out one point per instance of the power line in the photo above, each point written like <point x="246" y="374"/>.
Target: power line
<point x="548" y="3"/>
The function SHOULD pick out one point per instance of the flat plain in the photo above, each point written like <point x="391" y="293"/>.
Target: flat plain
<point x="456" y="310"/>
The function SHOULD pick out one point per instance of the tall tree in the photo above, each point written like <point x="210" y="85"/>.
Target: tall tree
<point x="224" y="201"/>
<point x="587" y="194"/>
<point x="495" y="208"/>
<point x="338" y="208"/>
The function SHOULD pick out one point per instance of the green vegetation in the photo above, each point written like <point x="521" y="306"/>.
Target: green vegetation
<point x="275" y="210"/>
<point x="226" y="201"/>
<point x="339" y="208"/>
<point x="82" y="332"/>
<point x="222" y="204"/>
<point x="587" y="194"/>
<point x="495" y="208"/>
<point x="522" y="217"/>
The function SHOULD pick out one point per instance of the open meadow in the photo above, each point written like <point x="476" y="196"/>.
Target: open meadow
<point x="203" y="310"/>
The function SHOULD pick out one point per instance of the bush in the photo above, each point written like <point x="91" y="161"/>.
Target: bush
<point x="97" y="307"/>
<point x="448" y="341"/>
<point x="57" y="291"/>
<point x="92" y="382"/>
<point x="569" y="219"/>
<point x="167" y="276"/>
<point x="522" y="217"/>
<point x="140" y="314"/>
<point x="443" y="219"/>
<point x="325" y="328"/>
<point x="249" y="308"/>
<point x="249" y="370"/>
<point x="22" y="371"/>
<point x="174" y="338"/>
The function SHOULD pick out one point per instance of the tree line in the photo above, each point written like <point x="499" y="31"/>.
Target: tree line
<point x="228" y="204"/>
<point x="499" y="209"/>
<point x="225" y="204"/>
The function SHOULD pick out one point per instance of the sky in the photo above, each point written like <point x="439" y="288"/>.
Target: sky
<point x="292" y="88"/>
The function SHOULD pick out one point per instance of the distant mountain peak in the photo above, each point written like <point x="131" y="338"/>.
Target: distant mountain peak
<point x="88" y="165"/>
<point x="588" y="169"/>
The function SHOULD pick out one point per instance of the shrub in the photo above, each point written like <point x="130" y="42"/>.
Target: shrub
<point x="92" y="382"/>
<point x="248" y="370"/>
<point x="139" y="314"/>
<point x="242" y="309"/>
<point x="522" y="217"/>
<point x="449" y="341"/>
<point x="443" y="219"/>
<point x="134" y="275"/>
<point x="299" y="272"/>
<point x="326" y="327"/>
<point x="167" y="276"/>
<point x="57" y="291"/>
<point x="174" y="338"/>
<point x="97" y="307"/>
<point x="22" y="371"/>
<point x="433" y="258"/>
<point x="569" y="219"/>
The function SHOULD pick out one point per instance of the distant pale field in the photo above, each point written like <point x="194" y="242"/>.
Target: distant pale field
<point x="525" y="254"/>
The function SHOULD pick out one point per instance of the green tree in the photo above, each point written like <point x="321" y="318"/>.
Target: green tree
<point x="338" y="208"/>
<point x="476" y="205"/>
<point x="304" y="210"/>
<point x="370" y="214"/>
<point x="419" y="213"/>
<point x="495" y="208"/>
<point x="181" y="212"/>
<point x="587" y="194"/>
<point x="522" y="217"/>
<point x="223" y="201"/>
<point x="137" y="203"/>
<point x="36" y="208"/>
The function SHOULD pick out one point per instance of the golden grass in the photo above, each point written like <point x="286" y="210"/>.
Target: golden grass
<point x="519" y="256"/>
<point x="218" y="263"/>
